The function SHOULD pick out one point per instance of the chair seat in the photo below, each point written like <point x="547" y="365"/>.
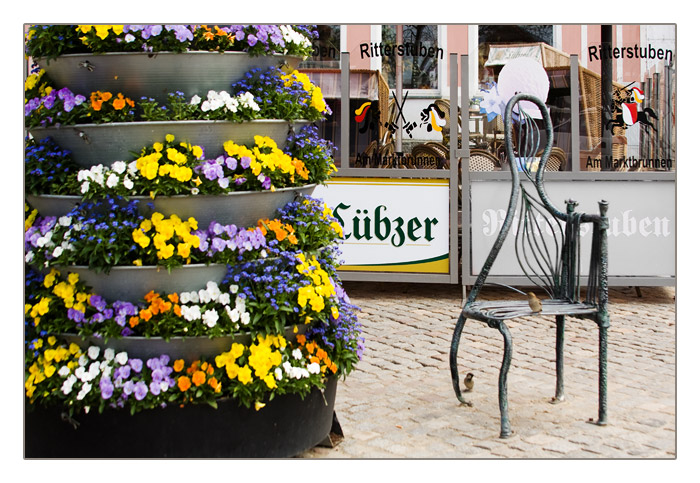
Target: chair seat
<point x="510" y="309"/>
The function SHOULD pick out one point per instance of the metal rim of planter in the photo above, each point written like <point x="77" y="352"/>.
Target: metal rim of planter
<point x="241" y="208"/>
<point x="92" y="144"/>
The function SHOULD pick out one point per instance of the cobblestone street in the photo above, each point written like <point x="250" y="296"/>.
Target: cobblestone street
<point x="399" y="403"/>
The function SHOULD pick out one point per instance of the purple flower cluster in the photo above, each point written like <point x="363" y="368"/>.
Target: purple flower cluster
<point x="252" y="34"/>
<point x="131" y="379"/>
<point x="160" y="374"/>
<point x="213" y="169"/>
<point x="217" y="238"/>
<point x="182" y="32"/>
<point x="56" y="102"/>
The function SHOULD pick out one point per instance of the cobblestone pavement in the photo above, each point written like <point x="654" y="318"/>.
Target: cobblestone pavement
<point x="399" y="403"/>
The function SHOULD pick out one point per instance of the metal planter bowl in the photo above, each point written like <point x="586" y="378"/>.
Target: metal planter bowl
<point x="131" y="284"/>
<point x="187" y="348"/>
<point x="92" y="144"/>
<point x="241" y="208"/>
<point x="137" y="74"/>
<point x="285" y="427"/>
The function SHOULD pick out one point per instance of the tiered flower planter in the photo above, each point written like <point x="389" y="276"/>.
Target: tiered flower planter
<point x="288" y="424"/>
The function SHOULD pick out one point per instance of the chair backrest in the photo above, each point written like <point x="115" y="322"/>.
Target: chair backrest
<point x="546" y="239"/>
<point x="480" y="160"/>
<point x="429" y="156"/>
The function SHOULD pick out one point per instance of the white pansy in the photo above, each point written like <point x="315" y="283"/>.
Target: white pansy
<point x="83" y="360"/>
<point x="245" y="318"/>
<point x="57" y="252"/>
<point x="248" y="100"/>
<point x="132" y="168"/>
<point x="80" y="372"/>
<point x="112" y="180"/>
<point x="84" y="391"/>
<point x="119" y="167"/>
<point x="291" y="36"/>
<point x="85" y="187"/>
<point x="93" y="352"/>
<point x="164" y="386"/>
<point x="67" y="386"/>
<point x="29" y="257"/>
<point x="224" y="298"/>
<point x="107" y="371"/>
<point x="204" y="296"/>
<point x="213" y="290"/>
<point x="63" y="371"/>
<point x="109" y="354"/>
<point x="234" y="314"/>
<point x="278" y="373"/>
<point x="94" y="370"/>
<point x="128" y="184"/>
<point x="185" y="298"/>
<point x="210" y="318"/>
<point x="314" y="368"/>
<point x="240" y="303"/>
<point x="195" y="100"/>
<point x="296" y="353"/>
<point x="191" y="313"/>
<point x="64" y="220"/>
<point x="121" y="358"/>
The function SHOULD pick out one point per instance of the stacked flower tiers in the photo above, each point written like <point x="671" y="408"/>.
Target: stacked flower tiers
<point x="185" y="272"/>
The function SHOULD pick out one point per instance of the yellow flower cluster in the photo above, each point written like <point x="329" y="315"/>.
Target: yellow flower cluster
<point x="44" y="365"/>
<point x="166" y="234"/>
<point x="33" y="80"/>
<point x="102" y="31"/>
<point x="321" y="287"/>
<point x="263" y="357"/>
<point x="29" y="220"/>
<point x="327" y="215"/>
<point x="65" y="290"/>
<point x="273" y="161"/>
<point x="173" y="161"/>
<point x="317" y="101"/>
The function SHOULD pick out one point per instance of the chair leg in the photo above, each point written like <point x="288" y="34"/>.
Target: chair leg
<point x="503" y="380"/>
<point x="454" y="348"/>
<point x="602" y="375"/>
<point x="559" y="392"/>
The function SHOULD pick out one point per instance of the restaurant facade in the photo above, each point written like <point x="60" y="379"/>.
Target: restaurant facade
<point x="418" y="206"/>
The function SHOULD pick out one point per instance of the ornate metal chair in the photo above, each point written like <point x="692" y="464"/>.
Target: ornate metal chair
<point x="550" y="262"/>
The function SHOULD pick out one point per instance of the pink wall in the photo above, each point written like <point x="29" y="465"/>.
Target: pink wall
<point x="571" y="39"/>
<point x="358" y="34"/>
<point x="457" y="43"/>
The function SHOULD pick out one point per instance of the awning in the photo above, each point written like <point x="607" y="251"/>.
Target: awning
<point x="500" y="55"/>
<point x="364" y="84"/>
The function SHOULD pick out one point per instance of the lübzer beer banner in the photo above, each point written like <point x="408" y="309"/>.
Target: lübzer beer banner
<point x="391" y="225"/>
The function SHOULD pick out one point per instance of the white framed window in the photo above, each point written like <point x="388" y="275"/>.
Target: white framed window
<point x="421" y="51"/>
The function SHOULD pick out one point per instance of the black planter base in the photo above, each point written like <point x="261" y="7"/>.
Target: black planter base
<point x="285" y="427"/>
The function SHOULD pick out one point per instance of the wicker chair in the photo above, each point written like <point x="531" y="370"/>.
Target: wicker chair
<point x="557" y="159"/>
<point x="480" y="160"/>
<point x="430" y="155"/>
<point x="552" y="263"/>
<point x="368" y="155"/>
